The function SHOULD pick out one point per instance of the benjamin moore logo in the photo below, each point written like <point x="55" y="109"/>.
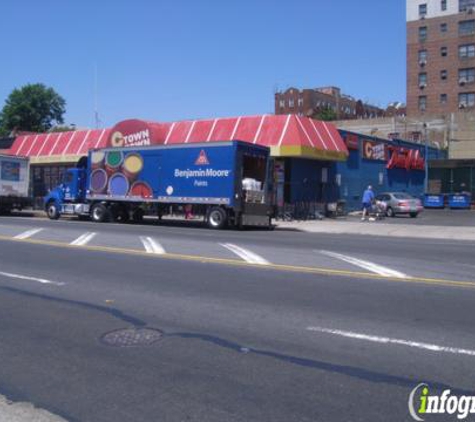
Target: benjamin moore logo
<point x="202" y="159"/>
<point x="421" y="403"/>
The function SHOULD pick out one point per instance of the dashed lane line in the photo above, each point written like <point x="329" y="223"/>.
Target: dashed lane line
<point x="27" y="234"/>
<point x="152" y="246"/>
<point x="246" y="254"/>
<point x="367" y="265"/>
<point x="84" y="239"/>
<point x="389" y="340"/>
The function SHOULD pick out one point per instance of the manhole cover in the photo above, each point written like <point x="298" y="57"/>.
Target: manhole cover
<point x="132" y="337"/>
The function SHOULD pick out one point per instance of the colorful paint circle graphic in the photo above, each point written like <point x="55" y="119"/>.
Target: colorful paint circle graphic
<point x="118" y="185"/>
<point x="98" y="181"/>
<point x="141" y="189"/>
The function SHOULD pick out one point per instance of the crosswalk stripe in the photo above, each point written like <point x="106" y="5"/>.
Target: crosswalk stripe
<point x="84" y="239"/>
<point x="367" y="265"/>
<point x="152" y="246"/>
<point x="27" y="234"/>
<point x="245" y="254"/>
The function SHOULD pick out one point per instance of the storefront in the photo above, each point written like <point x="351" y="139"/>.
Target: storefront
<point x="314" y="163"/>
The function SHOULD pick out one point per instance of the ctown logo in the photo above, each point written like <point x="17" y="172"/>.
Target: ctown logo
<point x="202" y="159"/>
<point x="420" y="404"/>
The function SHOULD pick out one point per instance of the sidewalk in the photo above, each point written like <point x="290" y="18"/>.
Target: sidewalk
<point x="380" y="228"/>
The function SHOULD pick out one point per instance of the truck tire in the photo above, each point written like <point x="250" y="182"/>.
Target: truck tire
<point x="217" y="218"/>
<point x="100" y="213"/>
<point x="137" y="215"/>
<point x="52" y="211"/>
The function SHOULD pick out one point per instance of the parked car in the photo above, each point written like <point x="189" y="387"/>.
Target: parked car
<point x="400" y="203"/>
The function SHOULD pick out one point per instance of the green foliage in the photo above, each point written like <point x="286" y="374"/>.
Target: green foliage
<point x="32" y="108"/>
<point x="326" y="114"/>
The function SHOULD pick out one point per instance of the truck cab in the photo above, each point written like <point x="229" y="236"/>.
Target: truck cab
<point x="68" y="195"/>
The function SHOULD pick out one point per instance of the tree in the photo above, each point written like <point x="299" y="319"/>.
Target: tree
<point x="33" y="108"/>
<point x="326" y="113"/>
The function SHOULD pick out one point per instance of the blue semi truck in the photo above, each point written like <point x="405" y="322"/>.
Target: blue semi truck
<point x="227" y="183"/>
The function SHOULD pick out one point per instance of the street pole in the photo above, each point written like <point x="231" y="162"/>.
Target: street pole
<point x="426" y="160"/>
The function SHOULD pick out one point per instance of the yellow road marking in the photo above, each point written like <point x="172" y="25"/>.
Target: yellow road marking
<point x="235" y="262"/>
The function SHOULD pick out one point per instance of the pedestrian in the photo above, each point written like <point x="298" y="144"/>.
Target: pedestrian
<point x="368" y="198"/>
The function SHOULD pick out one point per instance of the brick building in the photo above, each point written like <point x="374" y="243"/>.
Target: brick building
<point x="309" y="102"/>
<point x="440" y="56"/>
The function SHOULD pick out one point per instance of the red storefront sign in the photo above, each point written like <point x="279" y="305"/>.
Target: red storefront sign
<point x="409" y="159"/>
<point x="351" y="141"/>
<point x="374" y="150"/>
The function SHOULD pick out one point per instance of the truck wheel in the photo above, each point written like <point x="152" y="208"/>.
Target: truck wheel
<point x="100" y="213"/>
<point x="217" y="218"/>
<point x="52" y="211"/>
<point x="137" y="215"/>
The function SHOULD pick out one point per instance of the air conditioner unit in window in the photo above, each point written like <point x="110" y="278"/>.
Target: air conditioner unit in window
<point x="422" y="62"/>
<point x="422" y="85"/>
<point x="462" y="105"/>
<point x="462" y="81"/>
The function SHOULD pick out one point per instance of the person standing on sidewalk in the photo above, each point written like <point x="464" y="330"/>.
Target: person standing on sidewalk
<point x="368" y="198"/>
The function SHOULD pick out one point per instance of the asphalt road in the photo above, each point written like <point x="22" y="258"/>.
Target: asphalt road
<point x="229" y="326"/>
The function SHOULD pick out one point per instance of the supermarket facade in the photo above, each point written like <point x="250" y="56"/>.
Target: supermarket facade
<point x="314" y="162"/>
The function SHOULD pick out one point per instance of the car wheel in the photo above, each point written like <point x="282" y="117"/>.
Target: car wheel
<point x="52" y="211"/>
<point x="390" y="212"/>
<point x="217" y="218"/>
<point x="100" y="213"/>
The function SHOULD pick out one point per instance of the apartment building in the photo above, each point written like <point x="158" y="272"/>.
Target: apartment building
<point x="440" y="57"/>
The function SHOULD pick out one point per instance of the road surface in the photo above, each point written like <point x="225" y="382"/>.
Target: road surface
<point x="147" y="323"/>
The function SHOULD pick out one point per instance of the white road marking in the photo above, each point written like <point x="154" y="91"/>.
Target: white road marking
<point x="84" y="239"/>
<point x="27" y="234"/>
<point x="388" y="340"/>
<point x="25" y="277"/>
<point x="152" y="246"/>
<point x="246" y="254"/>
<point x="367" y="265"/>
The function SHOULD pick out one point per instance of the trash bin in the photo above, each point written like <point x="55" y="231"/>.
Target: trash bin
<point x="433" y="201"/>
<point x="459" y="201"/>
<point x="336" y="209"/>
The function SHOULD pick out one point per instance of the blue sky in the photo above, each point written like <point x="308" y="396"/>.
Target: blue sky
<point x="183" y="59"/>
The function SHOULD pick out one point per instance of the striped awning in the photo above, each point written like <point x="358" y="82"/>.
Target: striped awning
<point x="286" y="135"/>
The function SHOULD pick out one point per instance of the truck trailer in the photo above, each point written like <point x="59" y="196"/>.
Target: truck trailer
<point x="14" y="182"/>
<point x="226" y="183"/>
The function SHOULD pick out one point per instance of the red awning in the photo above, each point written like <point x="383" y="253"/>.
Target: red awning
<point x="287" y="136"/>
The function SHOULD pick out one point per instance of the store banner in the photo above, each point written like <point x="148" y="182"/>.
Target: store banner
<point x="374" y="151"/>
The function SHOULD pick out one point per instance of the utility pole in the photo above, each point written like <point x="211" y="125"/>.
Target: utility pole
<point x="426" y="160"/>
<point x="96" y="112"/>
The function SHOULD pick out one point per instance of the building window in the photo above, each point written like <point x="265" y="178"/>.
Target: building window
<point x="291" y="103"/>
<point x="443" y="98"/>
<point x="443" y="5"/>
<point x="422" y="103"/>
<point x="422" y="33"/>
<point x="422" y="10"/>
<point x="443" y="75"/>
<point x="467" y="76"/>
<point x="467" y="27"/>
<point x="443" y="51"/>
<point x="465" y="5"/>
<point x="422" y="57"/>
<point x="443" y="28"/>
<point x="467" y="51"/>
<point x="422" y="80"/>
<point x="300" y="102"/>
<point x="281" y="103"/>
<point x="467" y="99"/>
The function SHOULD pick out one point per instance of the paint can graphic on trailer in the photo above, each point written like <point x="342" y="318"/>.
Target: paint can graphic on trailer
<point x="118" y="185"/>
<point x="99" y="180"/>
<point x="141" y="189"/>
<point x="97" y="159"/>
<point x="133" y="165"/>
<point x="114" y="160"/>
